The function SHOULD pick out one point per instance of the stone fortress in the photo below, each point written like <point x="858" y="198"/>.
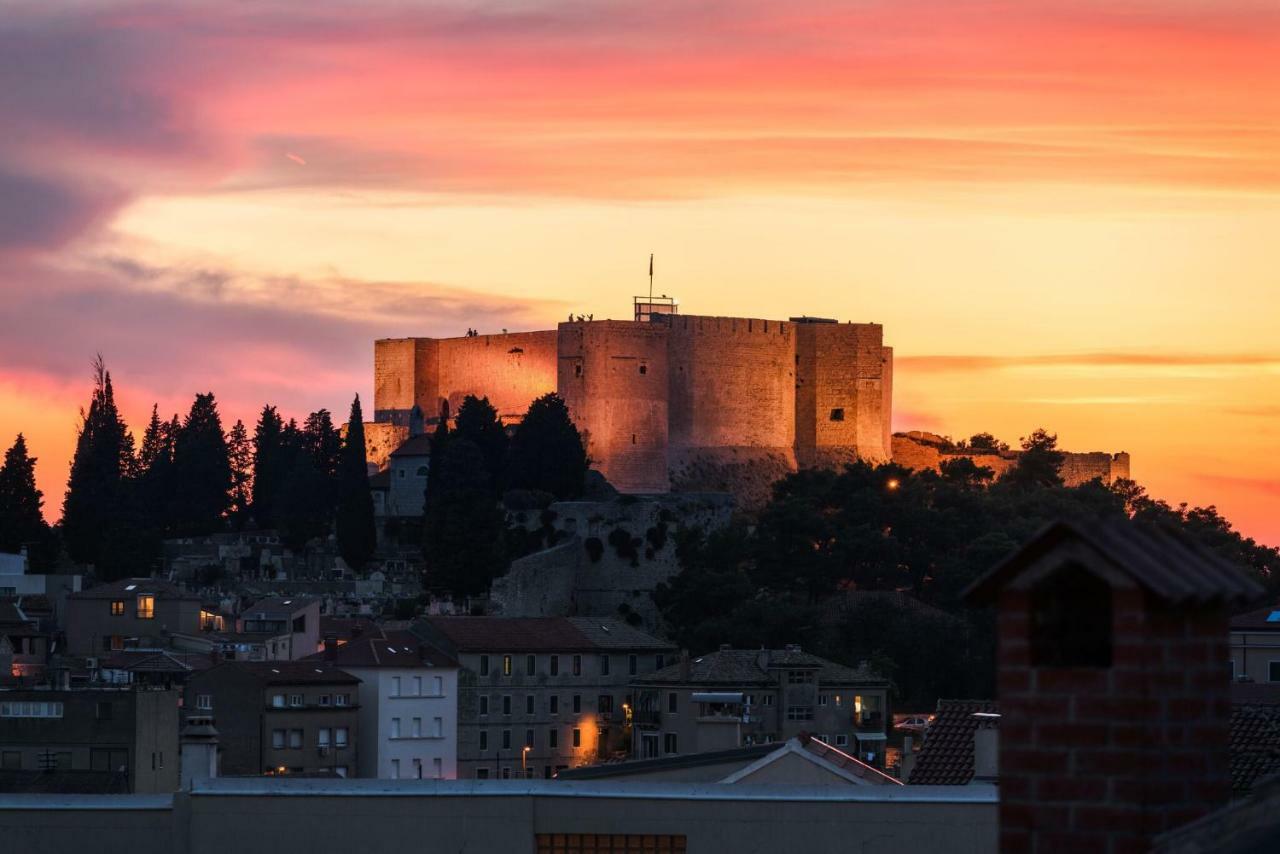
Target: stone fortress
<point x="681" y="403"/>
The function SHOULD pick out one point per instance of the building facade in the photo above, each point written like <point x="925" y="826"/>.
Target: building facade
<point x="732" y="697"/>
<point x="128" y="612"/>
<point x="538" y="695"/>
<point x="1255" y="646"/>
<point x="105" y="739"/>
<point x="408" y="705"/>
<point x="280" y="717"/>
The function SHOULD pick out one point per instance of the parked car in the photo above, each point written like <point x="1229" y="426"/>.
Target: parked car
<point x="914" y="723"/>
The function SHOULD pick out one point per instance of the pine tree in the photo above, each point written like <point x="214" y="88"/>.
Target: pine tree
<point x="547" y="452"/>
<point x="21" y="521"/>
<point x="202" y="470"/>
<point x="357" y="534"/>
<point x="463" y="526"/>
<point x="95" y="498"/>
<point x="322" y="441"/>
<point x="301" y="512"/>
<point x="1039" y="464"/>
<point x="240" y="456"/>
<point x="478" y="422"/>
<point x="271" y="462"/>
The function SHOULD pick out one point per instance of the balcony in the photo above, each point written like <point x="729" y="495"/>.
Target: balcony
<point x="868" y="722"/>
<point x="646" y="718"/>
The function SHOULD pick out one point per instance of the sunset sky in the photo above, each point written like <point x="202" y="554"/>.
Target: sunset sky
<point x="1064" y="213"/>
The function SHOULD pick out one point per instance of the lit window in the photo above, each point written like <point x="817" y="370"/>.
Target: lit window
<point x="146" y="606"/>
<point x="277" y="701"/>
<point x="340" y="736"/>
<point x="117" y="608"/>
<point x="506" y="665"/>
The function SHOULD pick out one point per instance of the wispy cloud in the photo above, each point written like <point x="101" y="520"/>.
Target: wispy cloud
<point x="971" y="363"/>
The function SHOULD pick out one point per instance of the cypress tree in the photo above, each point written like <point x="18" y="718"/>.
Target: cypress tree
<point x="21" y="520"/>
<point x="478" y="422"/>
<point x="547" y="452"/>
<point x="357" y="534"/>
<point x="271" y="462"/>
<point x="240" y="456"/>
<point x="202" y="470"/>
<point x="463" y="526"/>
<point x="95" y="497"/>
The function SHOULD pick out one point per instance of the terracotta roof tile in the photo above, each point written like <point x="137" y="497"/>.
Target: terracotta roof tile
<point x="1255" y="744"/>
<point x="946" y="756"/>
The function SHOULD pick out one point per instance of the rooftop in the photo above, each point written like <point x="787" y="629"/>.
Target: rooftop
<point x="946" y="756"/>
<point x="1255" y="745"/>
<point x="414" y="446"/>
<point x="753" y="666"/>
<point x="281" y="607"/>
<point x="1264" y="619"/>
<point x="537" y="634"/>
<point x="292" y="672"/>
<point x="397" y="649"/>
<point x="126" y="588"/>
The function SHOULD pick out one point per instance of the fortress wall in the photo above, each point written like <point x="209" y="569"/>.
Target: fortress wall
<point x="732" y="383"/>
<point x="886" y="402"/>
<point x="924" y="451"/>
<point x="613" y="377"/>
<point x="1082" y="468"/>
<point x="380" y="439"/>
<point x="840" y="398"/>
<point x="511" y="369"/>
<point x="403" y="374"/>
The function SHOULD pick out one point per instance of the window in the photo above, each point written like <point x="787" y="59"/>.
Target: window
<point x="604" y="665"/>
<point x="555" y="665"/>
<point x="146" y="606"/>
<point x="31" y="710"/>
<point x="553" y="738"/>
<point x="506" y="665"/>
<point x="644" y="369"/>
<point x="295" y="738"/>
<point x="395" y="769"/>
<point x="768" y="699"/>
<point x="842" y="740"/>
<point x="277" y="739"/>
<point x="799" y="713"/>
<point x="530" y="663"/>
<point x="322" y="736"/>
<point x="484" y="665"/>
<point x="1273" y="671"/>
<point x="669" y="743"/>
<point x="528" y="738"/>
<point x="633" y="664"/>
<point x="528" y="704"/>
<point x="417" y="686"/>
<point x="340" y="699"/>
<point x="577" y="665"/>
<point x="417" y="727"/>
<point x="822" y="699"/>
<point x="204" y="702"/>
<point x="437" y="727"/>
<point x="340" y="736"/>
<point x="395" y="727"/>
<point x="103" y="710"/>
<point x="673" y="702"/>
<point x="577" y="703"/>
<point x="277" y="701"/>
<point x="417" y="768"/>
<point x="117" y="608"/>
<point x="506" y="773"/>
<point x="577" y="737"/>
<point x="395" y="686"/>
<point x="484" y="740"/>
<point x="437" y="768"/>
<point x="605" y="703"/>
<point x="295" y="700"/>
<point x="799" y="677"/>
<point x="506" y="739"/>
<point x="1071" y="619"/>
<point x="506" y="704"/>
<point x="555" y="704"/>
<point x="437" y="686"/>
<point x="577" y="369"/>
<point x="482" y="773"/>
<point x="484" y="706"/>
<point x="837" y="414"/>
<point x="657" y="662"/>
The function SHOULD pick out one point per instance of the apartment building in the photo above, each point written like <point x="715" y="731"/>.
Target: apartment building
<point x="121" y="740"/>
<point x="1255" y="646"/>
<point x="538" y="695"/>
<point x="408" y="704"/>
<point x="732" y="697"/>
<point x="129" y="612"/>
<point x="280" y="717"/>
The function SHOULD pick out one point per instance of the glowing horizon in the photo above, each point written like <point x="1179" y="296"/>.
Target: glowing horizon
<point x="1062" y="213"/>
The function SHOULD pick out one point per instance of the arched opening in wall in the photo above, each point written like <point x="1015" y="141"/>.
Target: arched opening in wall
<point x="1071" y="619"/>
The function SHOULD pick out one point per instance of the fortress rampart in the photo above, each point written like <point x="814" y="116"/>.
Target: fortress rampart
<point x="681" y="402"/>
<point x="919" y="450"/>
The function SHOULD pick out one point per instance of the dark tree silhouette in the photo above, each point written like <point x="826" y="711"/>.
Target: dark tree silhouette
<point x="1039" y="464"/>
<point x="272" y="460"/>
<point x="357" y="535"/>
<point x="478" y="422"/>
<point x="21" y="521"/>
<point x="547" y="453"/>
<point x="202" y="470"/>
<point x="240" y="456"/>
<point x="463" y="544"/>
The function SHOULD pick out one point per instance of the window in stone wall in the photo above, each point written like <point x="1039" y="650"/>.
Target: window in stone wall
<point x="644" y="369"/>
<point x="1071" y="619"/>
<point x="837" y="414"/>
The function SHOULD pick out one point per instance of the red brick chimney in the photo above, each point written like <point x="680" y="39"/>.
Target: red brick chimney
<point x="1113" y="688"/>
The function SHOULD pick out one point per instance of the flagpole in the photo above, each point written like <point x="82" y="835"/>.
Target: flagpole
<point x="650" y="281"/>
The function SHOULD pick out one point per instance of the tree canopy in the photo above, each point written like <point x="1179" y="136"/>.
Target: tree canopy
<point x="21" y="519"/>
<point x="547" y="453"/>
<point x="354" y="525"/>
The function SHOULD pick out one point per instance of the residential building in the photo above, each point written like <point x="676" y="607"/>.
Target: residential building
<point x="280" y="717"/>
<point x="1255" y="646"/>
<point x="539" y="695"/>
<point x="24" y="643"/>
<point x="408" y="486"/>
<point x="103" y="739"/>
<point x="16" y="579"/>
<point x="278" y="628"/>
<point x="733" y="697"/>
<point x="129" y="612"/>
<point x="408" y="704"/>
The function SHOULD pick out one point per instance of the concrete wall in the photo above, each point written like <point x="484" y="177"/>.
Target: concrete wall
<point x="90" y="621"/>
<point x="1252" y="654"/>
<point x="286" y="816"/>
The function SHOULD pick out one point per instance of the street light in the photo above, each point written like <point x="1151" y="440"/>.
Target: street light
<point x="524" y="760"/>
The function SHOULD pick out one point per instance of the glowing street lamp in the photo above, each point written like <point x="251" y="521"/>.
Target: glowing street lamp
<point x="524" y="760"/>
<point x="892" y="484"/>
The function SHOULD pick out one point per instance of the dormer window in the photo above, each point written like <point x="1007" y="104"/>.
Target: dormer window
<point x="1071" y="619"/>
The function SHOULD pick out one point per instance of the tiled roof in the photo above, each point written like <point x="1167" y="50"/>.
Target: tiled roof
<point x="414" y="446"/>
<point x="347" y="628"/>
<point x="381" y="480"/>
<point x="1168" y="564"/>
<point x="946" y="756"/>
<point x="293" y="672"/>
<point x="848" y="764"/>
<point x="1255" y="744"/>
<point x="752" y="666"/>
<point x="397" y="649"/>
<point x="536" y="634"/>
<point x="156" y="661"/>
<point x="1264" y="619"/>
<point x="127" y="588"/>
<point x="277" y="606"/>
